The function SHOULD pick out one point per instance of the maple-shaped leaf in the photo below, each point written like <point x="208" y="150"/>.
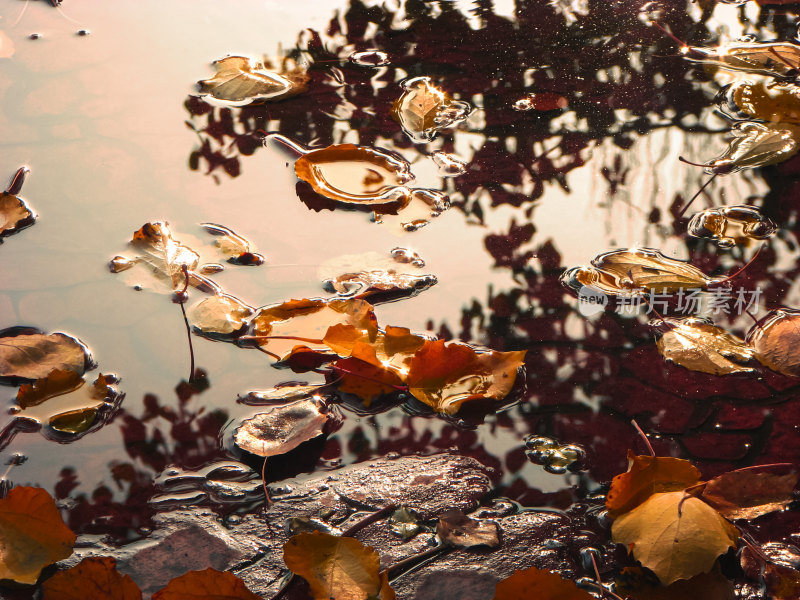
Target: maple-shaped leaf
<point x="282" y="428"/>
<point x="756" y="145"/>
<point x="674" y="535"/>
<point x="775" y="339"/>
<point x="33" y="534"/>
<point x="366" y="376"/>
<point x="209" y="584"/>
<point x="648" y="475"/>
<point x="533" y="583"/>
<point x="445" y="375"/>
<point x="749" y="493"/>
<point x="93" y="577"/>
<point x="28" y="354"/>
<point x="15" y="214"/>
<point x="635" y="272"/>
<point x="773" y="59"/>
<point x="731" y="225"/>
<point x="336" y="567"/>
<point x="457" y="529"/>
<point x="235" y="248"/>
<point x="424" y="109"/>
<point x="635" y="584"/>
<point x="698" y="345"/>
<point x="240" y="80"/>
<point x="220" y="317"/>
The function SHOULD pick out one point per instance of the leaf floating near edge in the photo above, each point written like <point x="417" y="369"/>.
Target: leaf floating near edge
<point x="28" y="354"/>
<point x="749" y="493"/>
<point x="779" y="59"/>
<point x="775" y="103"/>
<point x="220" y="317"/>
<point x="775" y="339"/>
<point x="756" y="145"/>
<point x="237" y="249"/>
<point x="15" y="215"/>
<point x="423" y="110"/>
<point x="240" y="81"/>
<point x="731" y="225"/>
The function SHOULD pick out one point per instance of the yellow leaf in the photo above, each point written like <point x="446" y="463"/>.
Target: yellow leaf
<point x="700" y="346"/>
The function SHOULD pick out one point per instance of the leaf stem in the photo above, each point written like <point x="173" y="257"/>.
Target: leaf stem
<point x="369" y="519"/>
<point x="282" y="337"/>
<point x="401" y="566"/>
<point x="182" y="297"/>
<point x="644" y="437"/>
<point x="749" y="262"/>
<point x="15" y="187"/>
<point x="700" y="191"/>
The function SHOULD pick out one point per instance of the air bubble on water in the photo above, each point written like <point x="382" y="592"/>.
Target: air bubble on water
<point x="211" y="268"/>
<point x="369" y="58"/>
<point x="449" y="165"/>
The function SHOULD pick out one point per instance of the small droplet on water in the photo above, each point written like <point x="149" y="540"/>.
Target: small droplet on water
<point x="449" y="165"/>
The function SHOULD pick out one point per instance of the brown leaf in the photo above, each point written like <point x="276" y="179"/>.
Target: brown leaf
<point x="32" y="356"/>
<point x="749" y="493"/>
<point x="336" y="567"/>
<point x="209" y="584"/>
<point x="674" y="535"/>
<point x="538" y="584"/>
<point x="220" y="316"/>
<point x="282" y="428"/>
<point x="778" y="575"/>
<point x="424" y="109"/>
<point x="648" y="475"/>
<point x="769" y="101"/>
<point x="14" y="215"/>
<point x="731" y="225"/>
<point x="365" y="376"/>
<point x="460" y="531"/>
<point x="634" y="584"/>
<point x="635" y="272"/>
<point x="33" y="534"/>
<point x="775" y="340"/>
<point x="237" y="249"/>
<point x="771" y="59"/>
<point x="240" y="81"/>
<point x="698" y="345"/>
<point x="92" y="578"/>
<point x="756" y="145"/>
<point x="57" y="382"/>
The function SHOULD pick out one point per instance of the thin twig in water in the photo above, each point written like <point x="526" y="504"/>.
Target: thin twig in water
<point x="264" y="483"/>
<point x="644" y="437"/>
<point x="368" y="520"/>
<point x="700" y="191"/>
<point x="182" y="298"/>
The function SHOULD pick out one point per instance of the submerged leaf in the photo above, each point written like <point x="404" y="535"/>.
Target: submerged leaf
<point x="458" y="530"/>
<point x="768" y="101"/>
<point x="698" y="345"/>
<point x="220" y="316"/>
<point x="424" y="109"/>
<point x="240" y="81"/>
<point x="208" y="584"/>
<point x="93" y="577"/>
<point x="756" y="145"/>
<point x="648" y="475"/>
<point x="539" y="584"/>
<point x="33" y="534"/>
<point x="675" y="536"/>
<point x="282" y="428"/>
<point x="775" y="340"/>
<point x="749" y="493"/>
<point x="237" y="249"/>
<point x="780" y="59"/>
<point x="32" y="356"/>
<point x="731" y="225"/>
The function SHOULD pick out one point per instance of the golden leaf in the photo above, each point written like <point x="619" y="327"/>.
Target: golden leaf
<point x="35" y="355"/>
<point x="424" y="109"/>
<point x="240" y="81"/>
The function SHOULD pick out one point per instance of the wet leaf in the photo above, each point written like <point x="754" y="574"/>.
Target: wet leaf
<point x="56" y="383"/>
<point x="749" y="493"/>
<point x="221" y="316"/>
<point x="32" y="356"/>
<point x="234" y="247"/>
<point x="374" y="274"/>
<point x="424" y="109"/>
<point x="756" y="145"/>
<point x="33" y="534"/>
<point x="539" y="584"/>
<point x="731" y="225"/>
<point x="779" y="59"/>
<point x="768" y="101"/>
<point x="280" y="395"/>
<point x="365" y="376"/>
<point x="635" y="272"/>
<point x="240" y="81"/>
<point x="698" y="345"/>
<point x="634" y="584"/>
<point x="282" y="428"/>
<point x="775" y="339"/>
<point x="648" y="475"/>
<point x="94" y="577"/>
<point x="357" y="175"/>
<point x="445" y="375"/>
<point x="15" y="214"/>
<point x="778" y="576"/>
<point x="209" y="584"/>
<point x="674" y="544"/>
<point x="336" y="567"/>
<point x="458" y="530"/>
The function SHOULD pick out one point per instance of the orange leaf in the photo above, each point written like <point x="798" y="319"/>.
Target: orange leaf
<point x="365" y="376"/>
<point x="539" y="584"/>
<point x="95" y="577"/>
<point x="206" y="585"/>
<point x="648" y="475"/>
<point x="58" y="382"/>
<point x="33" y="534"/>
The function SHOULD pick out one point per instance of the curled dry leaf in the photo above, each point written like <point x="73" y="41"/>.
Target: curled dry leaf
<point x="698" y="345"/>
<point x="775" y="339"/>
<point x="238" y="250"/>
<point x="749" y="493"/>
<point x="336" y="567"/>
<point x="210" y="584"/>
<point x="240" y="81"/>
<point x="779" y="59"/>
<point x="675" y="536"/>
<point x="540" y="584"/>
<point x="731" y="225"/>
<point x="458" y="530"/>
<point x="93" y="577"/>
<point x="756" y="145"/>
<point x="33" y="534"/>
<point x="424" y="109"/>
<point x="648" y="475"/>
<point x="282" y="428"/>
<point x="29" y="354"/>
<point x="221" y="316"/>
<point x="635" y="272"/>
<point x="15" y="214"/>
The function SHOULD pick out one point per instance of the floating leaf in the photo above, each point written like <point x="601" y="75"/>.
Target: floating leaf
<point x="365" y="376"/>
<point x="240" y="81"/>
<point x="33" y="534"/>
<point x="635" y="272"/>
<point x="648" y="475"/>
<point x="779" y="59"/>
<point x="374" y="274"/>
<point x="237" y="249"/>
<point x="756" y="145"/>
<point x="749" y="493"/>
<point x="280" y="395"/>
<point x="221" y="316"/>
<point x="209" y="584"/>
<point x="768" y="101"/>
<point x="336" y="567"/>
<point x="698" y="345"/>
<point x="539" y="584"/>
<point x="675" y="536"/>
<point x="731" y="225"/>
<point x="458" y="530"/>
<point x="93" y="577"/>
<point x="445" y="375"/>
<point x="15" y="214"/>
<point x="775" y="340"/>
<point x="56" y="383"/>
<point x="282" y="428"/>
<point x="423" y="110"/>
<point x="30" y="355"/>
